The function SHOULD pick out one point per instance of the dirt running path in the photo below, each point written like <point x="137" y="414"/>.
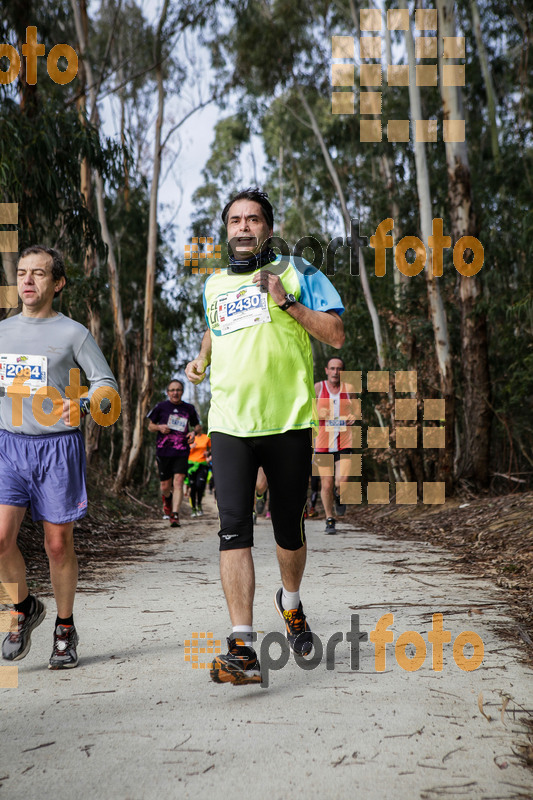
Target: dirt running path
<point x="135" y="721"/>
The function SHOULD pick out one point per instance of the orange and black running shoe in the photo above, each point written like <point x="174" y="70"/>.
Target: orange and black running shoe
<point x="297" y="630"/>
<point x="239" y="666"/>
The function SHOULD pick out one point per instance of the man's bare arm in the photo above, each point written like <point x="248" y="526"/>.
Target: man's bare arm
<point x="195" y="370"/>
<point x="326" y="326"/>
<point x="153" y="428"/>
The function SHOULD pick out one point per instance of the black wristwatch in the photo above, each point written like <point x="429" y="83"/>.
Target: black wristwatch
<point x="290" y="300"/>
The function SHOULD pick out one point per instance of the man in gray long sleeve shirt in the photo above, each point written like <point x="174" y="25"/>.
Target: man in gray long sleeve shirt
<point x="42" y="458"/>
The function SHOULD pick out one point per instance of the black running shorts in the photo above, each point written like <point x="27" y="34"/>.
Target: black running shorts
<point x="286" y="459"/>
<point x="171" y="465"/>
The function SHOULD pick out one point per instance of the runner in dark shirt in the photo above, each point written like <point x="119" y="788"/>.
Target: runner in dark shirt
<point x="175" y="423"/>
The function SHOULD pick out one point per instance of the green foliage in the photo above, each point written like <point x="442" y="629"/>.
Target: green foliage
<point x="39" y="170"/>
<point x="265" y="53"/>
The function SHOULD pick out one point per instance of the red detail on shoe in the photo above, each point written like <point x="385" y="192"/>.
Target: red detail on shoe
<point x="167" y="504"/>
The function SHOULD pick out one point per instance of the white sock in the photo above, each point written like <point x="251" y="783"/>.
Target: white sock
<point x="290" y="600"/>
<point x="244" y="632"/>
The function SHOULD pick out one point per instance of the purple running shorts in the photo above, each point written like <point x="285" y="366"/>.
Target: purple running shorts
<point x="45" y="473"/>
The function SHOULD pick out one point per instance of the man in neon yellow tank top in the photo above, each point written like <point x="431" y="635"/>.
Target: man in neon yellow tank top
<point x="260" y="312"/>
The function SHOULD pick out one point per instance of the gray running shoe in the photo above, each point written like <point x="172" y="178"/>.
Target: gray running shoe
<point x="17" y="644"/>
<point x="330" y="525"/>
<point x="64" y="654"/>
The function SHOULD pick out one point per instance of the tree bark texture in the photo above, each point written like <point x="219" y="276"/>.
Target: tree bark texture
<point x="474" y="464"/>
<point x="114" y="283"/>
<point x="436" y="305"/>
<point x="145" y="390"/>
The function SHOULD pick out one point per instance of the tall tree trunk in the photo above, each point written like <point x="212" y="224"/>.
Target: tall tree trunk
<point x="387" y="173"/>
<point x="436" y="306"/>
<point x="376" y="325"/>
<point x="120" y="340"/>
<point x="487" y="77"/>
<point x="9" y="265"/>
<point x="145" y="390"/>
<point x="474" y="344"/>
<point x="92" y="429"/>
<point x="114" y="283"/>
<point x="122" y="98"/>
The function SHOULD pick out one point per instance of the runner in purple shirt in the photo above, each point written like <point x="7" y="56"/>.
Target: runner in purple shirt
<point x="175" y="423"/>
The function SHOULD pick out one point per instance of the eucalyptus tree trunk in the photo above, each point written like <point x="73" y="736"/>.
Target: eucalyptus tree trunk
<point x="487" y="78"/>
<point x="145" y="390"/>
<point x="387" y="173"/>
<point x="436" y="305"/>
<point x="9" y="264"/>
<point x="90" y="265"/>
<point x="122" y="99"/>
<point x="376" y="325"/>
<point x="114" y="283"/>
<point x="474" y="345"/>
